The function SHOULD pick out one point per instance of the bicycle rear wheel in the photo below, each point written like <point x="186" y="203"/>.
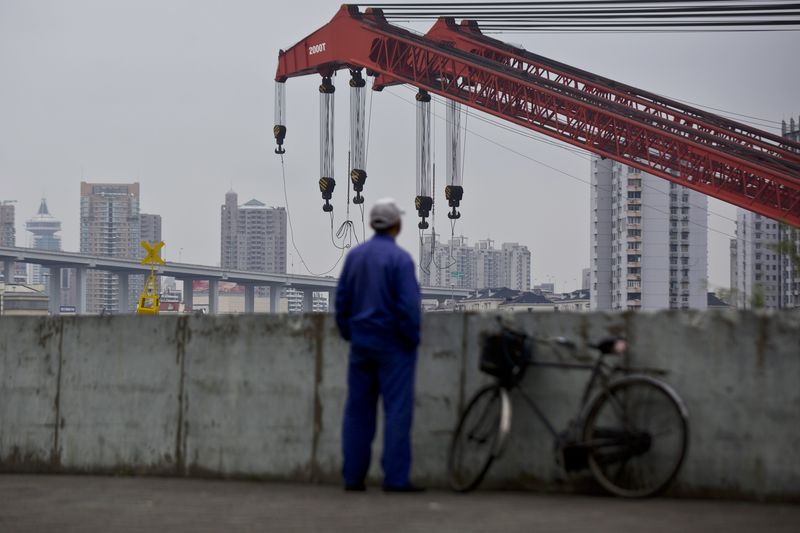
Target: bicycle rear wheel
<point x="636" y="435"/>
<point x="479" y="437"/>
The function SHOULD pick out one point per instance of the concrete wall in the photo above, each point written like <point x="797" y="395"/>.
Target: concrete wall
<point x="261" y="396"/>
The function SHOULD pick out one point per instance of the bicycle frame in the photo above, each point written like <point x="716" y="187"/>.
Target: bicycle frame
<point x="600" y="371"/>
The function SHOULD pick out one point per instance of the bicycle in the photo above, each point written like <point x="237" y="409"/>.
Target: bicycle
<point x="631" y="430"/>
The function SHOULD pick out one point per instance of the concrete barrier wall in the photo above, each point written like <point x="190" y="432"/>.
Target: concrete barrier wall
<point x="261" y="396"/>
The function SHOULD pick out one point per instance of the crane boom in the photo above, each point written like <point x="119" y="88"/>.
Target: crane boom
<point x="730" y="161"/>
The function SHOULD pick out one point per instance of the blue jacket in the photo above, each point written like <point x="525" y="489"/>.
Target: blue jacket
<point x="377" y="298"/>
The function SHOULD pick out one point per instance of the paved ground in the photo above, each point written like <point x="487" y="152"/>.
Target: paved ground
<point x="104" y="504"/>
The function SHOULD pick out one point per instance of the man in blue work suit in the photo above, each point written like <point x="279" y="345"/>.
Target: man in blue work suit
<point x="378" y="311"/>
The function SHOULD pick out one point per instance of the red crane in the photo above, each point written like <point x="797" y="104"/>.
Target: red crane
<point x="705" y="152"/>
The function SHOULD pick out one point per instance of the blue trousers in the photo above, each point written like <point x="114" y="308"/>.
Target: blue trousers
<point x="389" y="374"/>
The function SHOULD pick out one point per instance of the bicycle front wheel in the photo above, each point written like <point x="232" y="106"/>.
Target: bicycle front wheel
<point x="479" y="437"/>
<point x="636" y="434"/>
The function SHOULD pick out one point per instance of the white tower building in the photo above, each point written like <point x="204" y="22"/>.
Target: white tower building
<point x="649" y="241"/>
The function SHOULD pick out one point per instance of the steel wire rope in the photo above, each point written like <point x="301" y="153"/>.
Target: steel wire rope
<point x="498" y="17"/>
<point x="432" y="258"/>
<point x="505" y="6"/>
<point x="437" y="6"/>
<point x="557" y="31"/>
<point x="291" y="230"/>
<point x="346" y="229"/>
<point x="366" y="161"/>
<point x="432" y="137"/>
<point x="628" y="19"/>
<point x="752" y="12"/>
<point x="605" y="12"/>
<point x="647" y="25"/>
<point x="704" y="226"/>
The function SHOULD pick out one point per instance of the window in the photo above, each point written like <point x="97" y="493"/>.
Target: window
<point x="634" y="194"/>
<point x="634" y="233"/>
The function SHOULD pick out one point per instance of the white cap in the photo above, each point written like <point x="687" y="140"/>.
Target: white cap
<point x="384" y="214"/>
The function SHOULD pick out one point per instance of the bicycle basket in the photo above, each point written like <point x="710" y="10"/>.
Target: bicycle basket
<point x="505" y="355"/>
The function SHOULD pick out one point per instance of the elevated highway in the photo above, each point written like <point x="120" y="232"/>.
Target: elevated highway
<point x="182" y="271"/>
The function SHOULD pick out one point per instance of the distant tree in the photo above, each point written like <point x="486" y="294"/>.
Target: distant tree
<point x="727" y="295"/>
<point x="757" y="299"/>
<point x="789" y="248"/>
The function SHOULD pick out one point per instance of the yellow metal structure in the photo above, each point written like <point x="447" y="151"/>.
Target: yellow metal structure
<point x="148" y="300"/>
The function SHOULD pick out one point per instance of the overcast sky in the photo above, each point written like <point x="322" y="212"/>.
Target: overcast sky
<point x="178" y="95"/>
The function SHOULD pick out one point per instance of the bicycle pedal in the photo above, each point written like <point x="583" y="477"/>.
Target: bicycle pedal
<point x="572" y="456"/>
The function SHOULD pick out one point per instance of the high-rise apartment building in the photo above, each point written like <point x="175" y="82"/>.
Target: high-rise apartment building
<point x="586" y="279"/>
<point x="8" y="229"/>
<point x="764" y="272"/>
<point x="253" y="236"/>
<point x="450" y="264"/>
<point x="457" y="264"/>
<point x="488" y="264"/>
<point x="8" y="237"/>
<point x="110" y="226"/>
<point x="649" y="241"/>
<point x="516" y="266"/>
<point x="150" y="228"/>
<point x="757" y="276"/>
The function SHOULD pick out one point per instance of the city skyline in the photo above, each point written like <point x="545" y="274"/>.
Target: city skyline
<point x="74" y="110"/>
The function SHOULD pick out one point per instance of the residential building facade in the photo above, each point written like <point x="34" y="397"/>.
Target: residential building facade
<point x="110" y="227"/>
<point x="456" y="264"/>
<point x="253" y="236"/>
<point x="8" y="237"/>
<point x="761" y="275"/>
<point x="764" y="256"/>
<point x="649" y="241"/>
<point x="150" y="228"/>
